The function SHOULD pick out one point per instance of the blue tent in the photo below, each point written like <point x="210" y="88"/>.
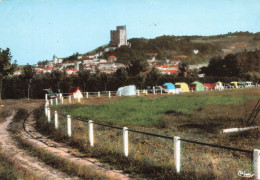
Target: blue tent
<point x="126" y="91"/>
<point x="170" y="87"/>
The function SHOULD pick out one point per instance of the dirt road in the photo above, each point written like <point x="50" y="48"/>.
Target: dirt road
<point x="30" y="166"/>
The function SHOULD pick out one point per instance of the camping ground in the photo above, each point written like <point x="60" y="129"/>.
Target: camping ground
<point x="196" y="116"/>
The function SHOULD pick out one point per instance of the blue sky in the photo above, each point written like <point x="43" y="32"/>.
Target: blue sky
<point x="35" y="30"/>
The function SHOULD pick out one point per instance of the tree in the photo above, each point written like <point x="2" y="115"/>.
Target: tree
<point x="154" y="76"/>
<point x="6" y="67"/>
<point x="104" y="79"/>
<point x="83" y="77"/>
<point x="137" y="65"/>
<point x="28" y="74"/>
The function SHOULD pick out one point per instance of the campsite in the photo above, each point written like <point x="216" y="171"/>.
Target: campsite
<point x="198" y="116"/>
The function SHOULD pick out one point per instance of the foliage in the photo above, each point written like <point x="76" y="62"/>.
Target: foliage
<point x="27" y="76"/>
<point x="6" y="67"/>
<point x="234" y="65"/>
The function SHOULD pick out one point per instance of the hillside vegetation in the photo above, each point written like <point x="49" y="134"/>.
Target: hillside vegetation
<point x="170" y="47"/>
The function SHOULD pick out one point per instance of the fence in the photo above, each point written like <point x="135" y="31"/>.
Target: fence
<point x="125" y="133"/>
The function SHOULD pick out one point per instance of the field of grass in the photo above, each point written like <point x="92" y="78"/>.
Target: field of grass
<point x="141" y="111"/>
<point x="196" y="116"/>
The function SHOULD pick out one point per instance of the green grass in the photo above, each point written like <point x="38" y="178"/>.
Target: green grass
<point x="146" y="112"/>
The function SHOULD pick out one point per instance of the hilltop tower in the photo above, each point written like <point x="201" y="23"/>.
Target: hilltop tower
<point x="118" y="37"/>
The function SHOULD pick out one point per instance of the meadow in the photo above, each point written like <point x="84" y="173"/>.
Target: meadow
<point x="195" y="116"/>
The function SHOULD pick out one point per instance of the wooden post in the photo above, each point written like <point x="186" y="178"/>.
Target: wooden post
<point x="257" y="163"/>
<point x="56" y="119"/>
<point x="125" y="140"/>
<point x="153" y="90"/>
<point x="49" y="115"/>
<point x="91" y="133"/>
<point x="69" y="125"/>
<point x="161" y="91"/>
<point x="177" y="153"/>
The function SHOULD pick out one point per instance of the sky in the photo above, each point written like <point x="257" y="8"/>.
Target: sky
<point x="35" y="30"/>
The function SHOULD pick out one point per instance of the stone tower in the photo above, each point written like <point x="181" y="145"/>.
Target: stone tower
<point x="118" y="37"/>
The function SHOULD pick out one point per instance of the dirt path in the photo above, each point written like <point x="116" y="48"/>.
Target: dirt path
<point x="22" y="161"/>
<point x="62" y="151"/>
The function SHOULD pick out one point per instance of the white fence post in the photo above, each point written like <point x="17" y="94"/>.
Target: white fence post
<point x="49" y="114"/>
<point x="56" y="100"/>
<point x="177" y="153"/>
<point x="46" y="111"/>
<point x="51" y="102"/>
<point x="91" y="133"/>
<point x="138" y="92"/>
<point x="69" y="125"/>
<point x="153" y="90"/>
<point x="109" y="94"/>
<point x="161" y="91"/>
<point x="70" y="99"/>
<point x="56" y="119"/>
<point x="79" y="99"/>
<point x="87" y="95"/>
<point x="98" y="94"/>
<point x="146" y="92"/>
<point x="125" y="140"/>
<point x="46" y="97"/>
<point x="62" y="100"/>
<point x="257" y="163"/>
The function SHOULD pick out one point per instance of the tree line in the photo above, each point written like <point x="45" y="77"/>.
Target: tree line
<point x="235" y="67"/>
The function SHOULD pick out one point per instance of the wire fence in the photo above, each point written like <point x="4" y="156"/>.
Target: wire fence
<point x="152" y="148"/>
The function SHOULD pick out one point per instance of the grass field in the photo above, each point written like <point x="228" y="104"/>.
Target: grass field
<point x="194" y="116"/>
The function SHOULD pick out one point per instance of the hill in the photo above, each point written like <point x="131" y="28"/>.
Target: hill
<point x="195" y="49"/>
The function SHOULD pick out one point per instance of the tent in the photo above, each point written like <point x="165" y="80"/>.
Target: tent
<point x="126" y="91"/>
<point x="76" y="92"/>
<point x="234" y="83"/>
<point x="184" y="87"/>
<point x="170" y="87"/>
<point x="219" y="86"/>
<point x="197" y="86"/>
<point x="209" y="86"/>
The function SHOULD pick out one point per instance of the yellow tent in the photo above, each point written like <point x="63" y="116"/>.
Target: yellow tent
<point x="234" y="83"/>
<point x="184" y="87"/>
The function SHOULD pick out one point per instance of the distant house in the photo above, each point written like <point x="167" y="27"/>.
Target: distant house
<point x="111" y="58"/>
<point x="76" y="92"/>
<point x="71" y="71"/>
<point x="107" y="65"/>
<point x="17" y="73"/>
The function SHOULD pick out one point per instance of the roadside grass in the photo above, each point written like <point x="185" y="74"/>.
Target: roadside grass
<point x="149" y="157"/>
<point x="7" y="172"/>
<point x="59" y="163"/>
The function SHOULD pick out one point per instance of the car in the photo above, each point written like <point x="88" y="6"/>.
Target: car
<point x="156" y="89"/>
<point x="51" y="94"/>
